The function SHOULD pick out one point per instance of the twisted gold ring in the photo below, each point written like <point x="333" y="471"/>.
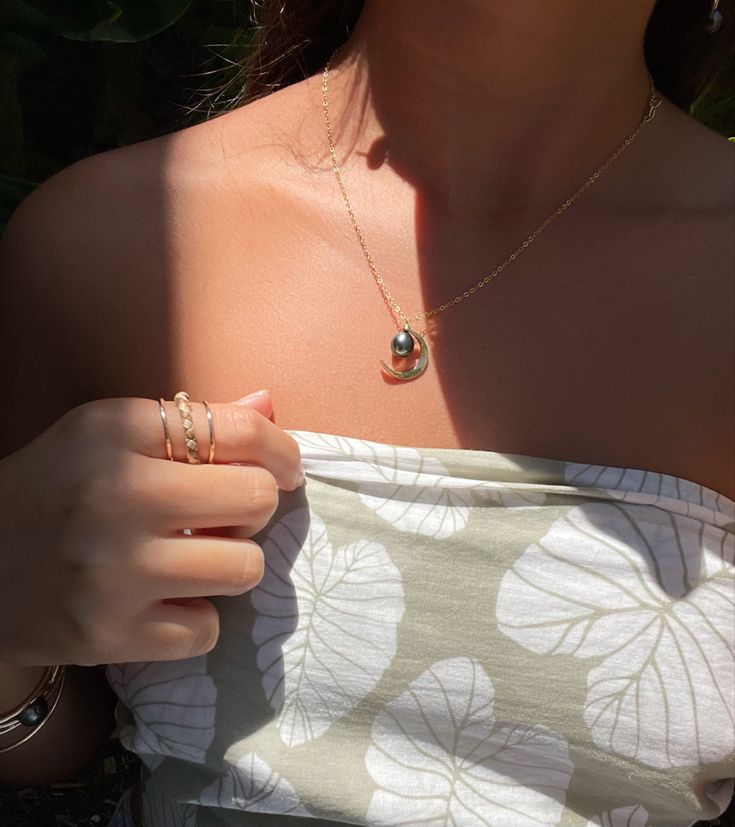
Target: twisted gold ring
<point x="187" y="420"/>
<point x="192" y="448"/>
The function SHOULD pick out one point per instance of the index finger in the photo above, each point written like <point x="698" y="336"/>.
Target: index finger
<point x="241" y="434"/>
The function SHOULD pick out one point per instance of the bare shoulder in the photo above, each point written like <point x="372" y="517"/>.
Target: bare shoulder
<point x="97" y="207"/>
<point x="690" y="263"/>
<point x="105" y="223"/>
<point x="694" y="170"/>
<point x="90" y="261"/>
<point x="687" y="193"/>
<point x="703" y="180"/>
<point x="55" y="259"/>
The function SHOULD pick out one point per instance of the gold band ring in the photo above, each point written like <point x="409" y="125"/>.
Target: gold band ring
<point x="166" y="435"/>
<point x="210" y="424"/>
<point x="192" y="448"/>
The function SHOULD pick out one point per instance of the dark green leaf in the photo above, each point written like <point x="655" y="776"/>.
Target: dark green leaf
<point x="71" y="19"/>
<point x="29" y="48"/>
<point x="139" y="20"/>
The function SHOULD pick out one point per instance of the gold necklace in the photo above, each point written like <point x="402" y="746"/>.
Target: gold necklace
<point x="405" y="341"/>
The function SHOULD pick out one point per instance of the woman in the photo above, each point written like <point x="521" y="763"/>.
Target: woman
<point x="514" y="626"/>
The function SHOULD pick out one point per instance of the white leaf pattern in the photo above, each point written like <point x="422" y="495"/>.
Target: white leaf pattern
<point x="173" y="707"/>
<point x="123" y="813"/>
<point x="326" y="624"/>
<point x="412" y="505"/>
<point x="160" y="810"/>
<point x="633" y="816"/>
<point x="638" y="584"/>
<point x="408" y="490"/>
<point x="439" y="760"/>
<point x="508" y="495"/>
<point x="629" y="584"/>
<point x="253" y="786"/>
<point x="675" y="494"/>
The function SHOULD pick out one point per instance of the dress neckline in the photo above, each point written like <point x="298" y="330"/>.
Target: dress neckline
<point x="316" y="445"/>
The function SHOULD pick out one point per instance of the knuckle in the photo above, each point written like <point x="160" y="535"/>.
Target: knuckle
<point x="171" y="639"/>
<point x="196" y="633"/>
<point x="245" y="423"/>
<point x="100" y="492"/>
<point x="253" y="568"/>
<point x="296" y="453"/>
<point x="101" y="422"/>
<point x="262" y="493"/>
<point x="89" y="419"/>
<point x="205" y="632"/>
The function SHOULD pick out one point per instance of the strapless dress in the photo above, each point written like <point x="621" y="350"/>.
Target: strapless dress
<point x="456" y="637"/>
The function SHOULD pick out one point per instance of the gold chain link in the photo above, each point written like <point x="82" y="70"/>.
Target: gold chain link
<point x="653" y="102"/>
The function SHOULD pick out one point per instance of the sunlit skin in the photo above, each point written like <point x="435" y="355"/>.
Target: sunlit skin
<point x="226" y="261"/>
<point x="243" y="225"/>
<point x="495" y="109"/>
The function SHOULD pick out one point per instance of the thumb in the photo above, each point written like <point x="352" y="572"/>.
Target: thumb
<point x="260" y="400"/>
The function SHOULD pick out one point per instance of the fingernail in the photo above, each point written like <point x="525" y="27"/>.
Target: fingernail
<point x="302" y="477"/>
<point x="252" y="396"/>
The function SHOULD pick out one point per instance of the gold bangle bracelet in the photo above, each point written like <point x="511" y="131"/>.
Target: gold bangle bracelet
<point x="36" y="709"/>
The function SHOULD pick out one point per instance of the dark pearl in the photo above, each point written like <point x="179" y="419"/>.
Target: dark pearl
<point x="402" y="343"/>
<point x="33" y="715"/>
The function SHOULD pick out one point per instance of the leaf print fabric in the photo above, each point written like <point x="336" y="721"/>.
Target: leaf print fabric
<point x="624" y="583"/>
<point x="411" y="506"/>
<point x="160" y="810"/>
<point x="721" y="792"/>
<point x="400" y="485"/>
<point x="173" y="708"/>
<point x="439" y="758"/>
<point x="634" y="816"/>
<point x="326" y="624"/>
<point x="672" y="493"/>
<point x="457" y="637"/>
<point x="252" y="785"/>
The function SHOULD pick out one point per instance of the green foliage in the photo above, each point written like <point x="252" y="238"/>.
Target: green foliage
<point x="716" y="105"/>
<point x="45" y="15"/>
<point x="122" y="21"/>
<point x="81" y="77"/>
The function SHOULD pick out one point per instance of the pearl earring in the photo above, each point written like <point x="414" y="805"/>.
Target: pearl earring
<point x="714" y="21"/>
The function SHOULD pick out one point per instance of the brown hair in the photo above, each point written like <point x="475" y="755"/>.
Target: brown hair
<point x="292" y="39"/>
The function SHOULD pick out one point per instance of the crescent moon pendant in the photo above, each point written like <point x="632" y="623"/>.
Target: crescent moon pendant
<point x="420" y="365"/>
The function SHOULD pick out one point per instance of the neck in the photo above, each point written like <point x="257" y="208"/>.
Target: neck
<point x="494" y="105"/>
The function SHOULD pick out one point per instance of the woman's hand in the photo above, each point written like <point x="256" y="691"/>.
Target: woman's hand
<point x="94" y="567"/>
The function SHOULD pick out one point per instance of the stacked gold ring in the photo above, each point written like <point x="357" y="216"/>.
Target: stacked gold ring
<point x="166" y="435"/>
<point x="187" y="420"/>
<point x="210" y="425"/>
<point x="192" y="449"/>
